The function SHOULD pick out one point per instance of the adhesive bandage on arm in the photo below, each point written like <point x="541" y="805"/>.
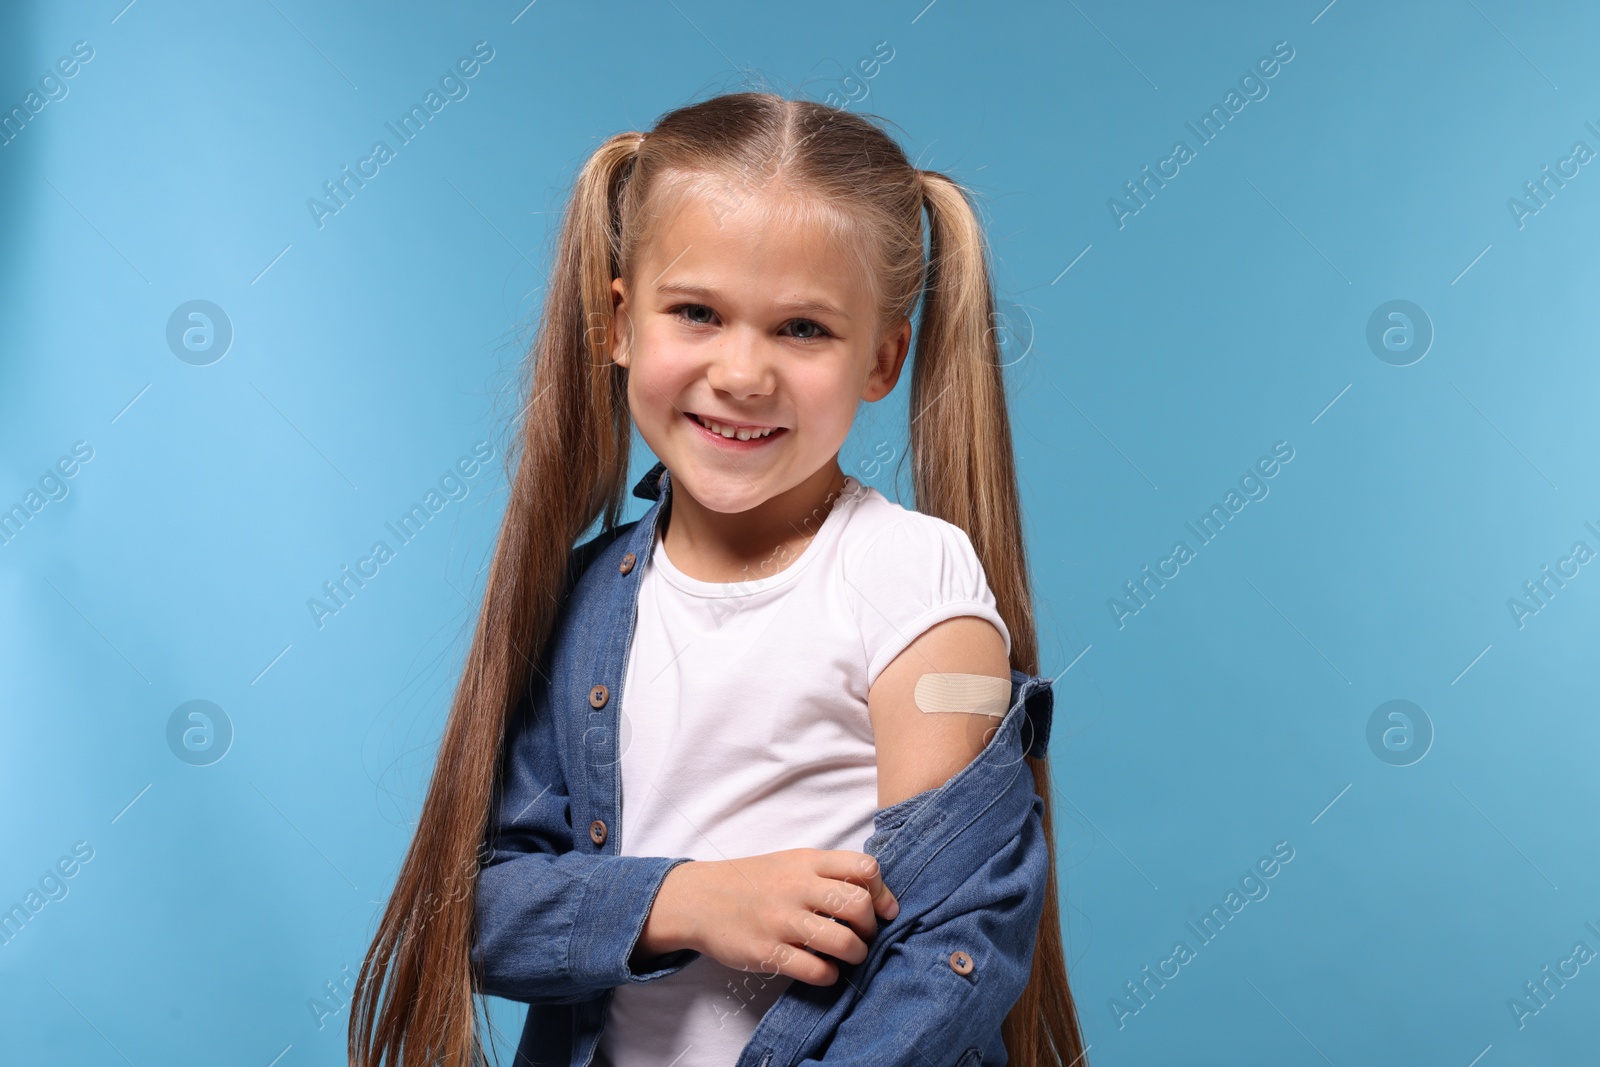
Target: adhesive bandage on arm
<point x="975" y="694"/>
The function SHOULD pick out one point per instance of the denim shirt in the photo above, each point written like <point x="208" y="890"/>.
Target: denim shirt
<point x="559" y="910"/>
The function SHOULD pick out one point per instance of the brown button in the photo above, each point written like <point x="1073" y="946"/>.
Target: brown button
<point x="598" y="696"/>
<point x="960" y="962"/>
<point x="597" y="832"/>
<point x="627" y="563"/>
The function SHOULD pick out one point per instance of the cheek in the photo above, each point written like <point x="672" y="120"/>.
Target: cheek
<point x="658" y="373"/>
<point x="832" y="400"/>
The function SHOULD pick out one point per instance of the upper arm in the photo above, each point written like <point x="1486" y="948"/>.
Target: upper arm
<point x="920" y="750"/>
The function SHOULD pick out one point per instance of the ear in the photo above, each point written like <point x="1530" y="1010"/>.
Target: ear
<point x="619" y="316"/>
<point x="889" y="358"/>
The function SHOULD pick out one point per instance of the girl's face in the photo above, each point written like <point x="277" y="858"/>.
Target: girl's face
<point x="760" y="324"/>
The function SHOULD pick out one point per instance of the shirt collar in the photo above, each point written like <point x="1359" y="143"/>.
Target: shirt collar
<point x="655" y="484"/>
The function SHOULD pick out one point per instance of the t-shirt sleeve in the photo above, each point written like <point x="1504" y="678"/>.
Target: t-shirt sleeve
<point x="910" y="576"/>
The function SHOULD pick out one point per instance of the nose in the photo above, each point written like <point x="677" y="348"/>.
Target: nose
<point x="741" y="366"/>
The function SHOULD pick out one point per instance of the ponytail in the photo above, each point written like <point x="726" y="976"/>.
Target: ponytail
<point x="964" y="472"/>
<point x="413" y="1002"/>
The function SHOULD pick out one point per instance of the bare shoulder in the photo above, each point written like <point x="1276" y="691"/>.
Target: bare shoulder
<point x="920" y="748"/>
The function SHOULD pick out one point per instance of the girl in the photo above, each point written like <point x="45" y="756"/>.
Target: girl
<point x="804" y="662"/>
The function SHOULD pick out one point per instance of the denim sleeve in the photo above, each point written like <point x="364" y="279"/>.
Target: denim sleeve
<point x="917" y="1008"/>
<point x="555" y="925"/>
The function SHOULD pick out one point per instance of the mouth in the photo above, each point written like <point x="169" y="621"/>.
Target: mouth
<point x="734" y="435"/>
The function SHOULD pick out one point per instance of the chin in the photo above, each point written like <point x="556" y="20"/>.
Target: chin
<point x="726" y="492"/>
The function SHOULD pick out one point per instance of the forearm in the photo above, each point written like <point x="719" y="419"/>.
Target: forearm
<point x="561" y="929"/>
<point x="668" y="928"/>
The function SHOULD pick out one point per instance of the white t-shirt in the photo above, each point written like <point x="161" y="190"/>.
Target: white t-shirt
<point x="744" y="730"/>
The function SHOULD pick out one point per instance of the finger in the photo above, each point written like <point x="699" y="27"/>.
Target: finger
<point x="849" y="903"/>
<point x="806" y="967"/>
<point x="818" y="972"/>
<point x="830" y="936"/>
<point x="863" y="870"/>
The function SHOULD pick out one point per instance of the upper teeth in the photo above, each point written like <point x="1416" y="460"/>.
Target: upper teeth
<point x="728" y="431"/>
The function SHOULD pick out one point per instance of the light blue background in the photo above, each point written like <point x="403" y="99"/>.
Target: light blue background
<point x="1229" y="314"/>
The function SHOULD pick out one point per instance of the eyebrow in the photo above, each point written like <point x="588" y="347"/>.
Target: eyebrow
<point x="710" y="295"/>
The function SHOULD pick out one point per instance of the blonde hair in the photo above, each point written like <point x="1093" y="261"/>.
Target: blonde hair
<point x="413" y="1002"/>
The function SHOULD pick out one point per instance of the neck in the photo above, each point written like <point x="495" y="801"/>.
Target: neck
<point x="713" y="546"/>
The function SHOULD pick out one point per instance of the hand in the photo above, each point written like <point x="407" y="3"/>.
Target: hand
<point x="762" y="913"/>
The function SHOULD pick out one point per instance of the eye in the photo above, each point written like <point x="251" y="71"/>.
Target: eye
<point x="822" y="331"/>
<point x="812" y="331"/>
<point x="682" y="308"/>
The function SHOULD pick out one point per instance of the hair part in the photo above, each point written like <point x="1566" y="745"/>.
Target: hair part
<point x="568" y="466"/>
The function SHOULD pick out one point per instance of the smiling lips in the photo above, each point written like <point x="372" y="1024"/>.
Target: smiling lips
<point x="724" y="432"/>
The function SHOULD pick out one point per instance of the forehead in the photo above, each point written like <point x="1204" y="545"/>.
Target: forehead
<point x="756" y="244"/>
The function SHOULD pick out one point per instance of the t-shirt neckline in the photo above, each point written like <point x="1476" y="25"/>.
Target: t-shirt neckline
<point x="849" y="496"/>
